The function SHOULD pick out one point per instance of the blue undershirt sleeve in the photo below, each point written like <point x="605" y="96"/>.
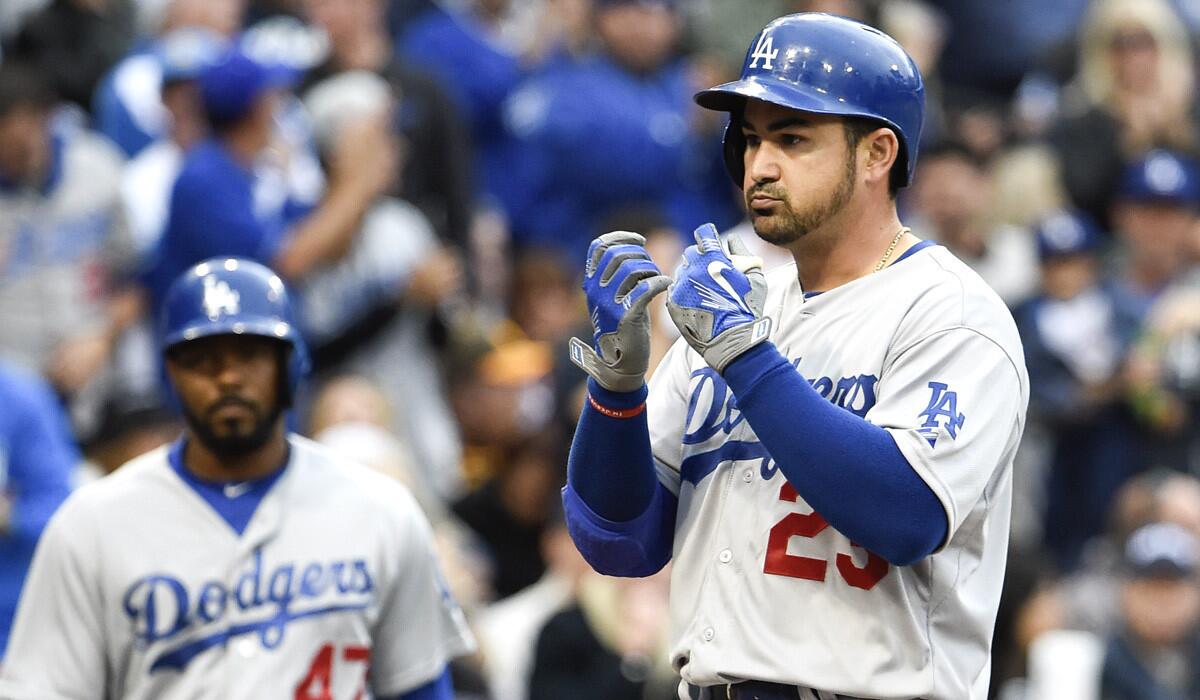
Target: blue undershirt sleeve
<point x="848" y="470"/>
<point x="621" y="518"/>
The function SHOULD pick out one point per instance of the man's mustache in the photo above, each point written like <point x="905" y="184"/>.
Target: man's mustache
<point x="766" y="190"/>
<point x="232" y="401"/>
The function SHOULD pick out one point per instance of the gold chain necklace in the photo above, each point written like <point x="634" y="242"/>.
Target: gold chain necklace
<point x="892" y="248"/>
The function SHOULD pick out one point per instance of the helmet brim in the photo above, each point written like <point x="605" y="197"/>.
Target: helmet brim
<point x="731" y="97"/>
<point x="263" y="327"/>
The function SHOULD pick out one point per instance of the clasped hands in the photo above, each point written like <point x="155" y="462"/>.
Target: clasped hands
<point x="716" y="300"/>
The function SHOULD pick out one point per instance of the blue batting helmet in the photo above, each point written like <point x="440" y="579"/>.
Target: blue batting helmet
<point x="233" y="296"/>
<point x="824" y="64"/>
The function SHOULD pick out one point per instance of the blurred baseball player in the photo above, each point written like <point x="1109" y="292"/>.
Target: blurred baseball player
<point x="241" y="561"/>
<point x="827" y="452"/>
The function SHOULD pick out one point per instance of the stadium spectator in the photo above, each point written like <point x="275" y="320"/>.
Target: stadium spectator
<point x="1133" y="92"/>
<point x="37" y="461"/>
<point x="606" y="645"/>
<point x="507" y="630"/>
<point x="922" y="30"/>
<point x="1155" y="209"/>
<point x="501" y="398"/>
<point x="1087" y="602"/>
<point x="148" y="178"/>
<point x="478" y="55"/>
<point x="75" y="42"/>
<point x="215" y="209"/>
<point x="951" y="204"/>
<point x="436" y="175"/>
<point x="1075" y="345"/>
<point x="130" y="104"/>
<point x="544" y="301"/>
<point x="614" y="130"/>
<point x="1155" y="653"/>
<point x="993" y="45"/>
<point x="352" y="416"/>
<point x="1165" y="376"/>
<point x="461" y="46"/>
<point x="369" y="312"/>
<point x="509" y="512"/>
<point x="64" y="292"/>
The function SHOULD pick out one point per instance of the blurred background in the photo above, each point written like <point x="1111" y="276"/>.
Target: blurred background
<point x="426" y="174"/>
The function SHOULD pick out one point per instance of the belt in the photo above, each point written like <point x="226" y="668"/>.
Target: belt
<point x="760" y="690"/>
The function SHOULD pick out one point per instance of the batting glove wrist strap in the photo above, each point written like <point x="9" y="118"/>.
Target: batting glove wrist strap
<point x="616" y="412"/>
<point x="721" y="350"/>
<point x="612" y="377"/>
<point x="717" y="298"/>
<point x="619" y="281"/>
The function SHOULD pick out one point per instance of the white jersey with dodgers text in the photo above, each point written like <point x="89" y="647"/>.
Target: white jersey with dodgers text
<point x="762" y="587"/>
<point x="139" y="589"/>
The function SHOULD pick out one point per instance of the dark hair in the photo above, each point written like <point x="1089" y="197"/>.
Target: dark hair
<point x="221" y="125"/>
<point x="857" y="128"/>
<point x="23" y="85"/>
<point x="954" y="148"/>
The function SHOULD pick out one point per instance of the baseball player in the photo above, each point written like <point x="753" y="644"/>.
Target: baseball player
<point x="241" y="561"/>
<point x="826" y="454"/>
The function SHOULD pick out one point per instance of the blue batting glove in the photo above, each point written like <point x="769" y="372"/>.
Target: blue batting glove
<point x="717" y="298"/>
<point x="619" y="281"/>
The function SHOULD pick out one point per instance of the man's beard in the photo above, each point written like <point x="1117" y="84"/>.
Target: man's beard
<point x="232" y="446"/>
<point x="786" y="225"/>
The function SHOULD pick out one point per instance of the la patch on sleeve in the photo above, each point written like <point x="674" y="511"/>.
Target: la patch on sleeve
<point x="941" y="414"/>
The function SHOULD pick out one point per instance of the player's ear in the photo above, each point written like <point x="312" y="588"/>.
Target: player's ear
<point x="879" y="150"/>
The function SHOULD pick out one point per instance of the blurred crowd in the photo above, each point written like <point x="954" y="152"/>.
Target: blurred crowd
<point x="427" y="174"/>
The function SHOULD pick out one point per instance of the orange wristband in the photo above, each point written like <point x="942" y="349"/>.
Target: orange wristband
<point x="617" y="412"/>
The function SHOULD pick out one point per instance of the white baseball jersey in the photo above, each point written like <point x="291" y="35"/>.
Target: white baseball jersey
<point x="762" y="587"/>
<point x="139" y="589"/>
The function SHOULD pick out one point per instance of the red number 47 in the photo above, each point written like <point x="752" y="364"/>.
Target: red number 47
<point x="780" y="563"/>
<point x="318" y="683"/>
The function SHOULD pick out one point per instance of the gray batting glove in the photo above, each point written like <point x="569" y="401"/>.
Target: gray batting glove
<point x="619" y="281"/>
<point x="717" y="298"/>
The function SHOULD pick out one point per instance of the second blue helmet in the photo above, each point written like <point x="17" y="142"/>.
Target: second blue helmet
<point x="233" y="296"/>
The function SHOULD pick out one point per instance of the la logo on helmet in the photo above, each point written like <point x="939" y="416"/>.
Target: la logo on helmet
<point x="765" y="49"/>
<point x="219" y="298"/>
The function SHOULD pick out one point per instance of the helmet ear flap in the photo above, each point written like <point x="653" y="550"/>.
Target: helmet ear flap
<point x="734" y="150"/>
<point x="293" y="366"/>
<point x="285" y="387"/>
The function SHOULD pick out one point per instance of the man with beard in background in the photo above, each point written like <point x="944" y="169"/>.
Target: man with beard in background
<point x="241" y="561"/>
